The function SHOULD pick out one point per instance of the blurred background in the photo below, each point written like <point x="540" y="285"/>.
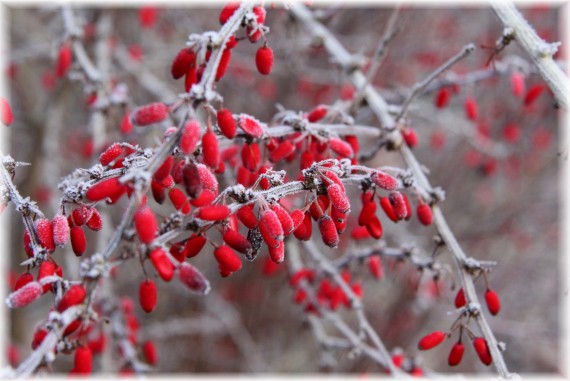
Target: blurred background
<point x="501" y="182"/>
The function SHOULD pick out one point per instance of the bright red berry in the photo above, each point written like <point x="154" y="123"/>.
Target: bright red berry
<point x="482" y="349"/>
<point x="192" y="278"/>
<point x="147" y="295"/>
<point x="424" y="214"/>
<point x="72" y="297"/>
<point x="431" y="340"/>
<point x="162" y="264"/>
<point x="78" y="240"/>
<point x="456" y="354"/>
<point x="264" y="60"/>
<point x="150" y="114"/>
<point x="328" y="231"/>
<point x="227" y="123"/>
<point x="493" y="302"/>
<point x="145" y="224"/>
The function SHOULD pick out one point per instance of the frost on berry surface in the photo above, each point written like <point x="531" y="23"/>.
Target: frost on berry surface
<point x="261" y="180"/>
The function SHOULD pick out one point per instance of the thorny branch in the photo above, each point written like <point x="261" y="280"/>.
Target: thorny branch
<point x="379" y="107"/>
<point x="539" y="51"/>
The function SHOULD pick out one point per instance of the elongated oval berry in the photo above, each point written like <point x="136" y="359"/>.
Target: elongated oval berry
<point x="164" y="170"/>
<point x="424" y="214"/>
<point x="184" y="60"/>
<point x="150" y="354"/>
<point x="388" y="209"/>
<point x="236" y="241"/>
<point x="179" y="200"/>
<point x="145" y="224"/>
<point x="190" y="137"/>
<point x="340" y="147"/>
<point x="162" y="264"/>
<point x="384" y="180"/>
<point x="28" y="244"/>
<point x="471" y="110"/>
<point x="158" y="191"/>
<point x="23" y="280"/>
<point x="317" y="113"/>
<point x="517" y="84"/>
<point x="114" y="151"/>
<point x="493" y="302"/>
<point x="226" y="123"/>
<point x="60" y="230"/>
<point x="305" y="230"/>
<point x="482" y="350"/>
<point x="44" y="231"/>
<point x="78" y="240"/>
<point x="210" y="149"/>
<point x="284" y="149"/>
<point x="374" y="227"/>
<point x="81" y="215"/>
<point x="250" y="126"/>
<point x="25" y="295"/>
<point x="264" y="60"/>
<point x="46" y="269"/>
<point x="205" y="199"/>
<point x="247" y="217"/>
<point x="460" y="300"/>
<point x="83" y="360"/>
<point x="213" y="212"/>
<point x="72" y="297"/>
<point x="95" y="223"/>
<point x="150" y="114"/>
<point x="147" y="295"/>
<point x="532" y="94"/>
<point x="270" y="228"/>
<point x="64" y="58"/>
<point x="410" y="137"/>
<point x="442" y="97"/>
<point x="228" y="10"/>
<point x="284" y="218"/>
<point x="207" y="178"/>
<point x="456" y="354"/>
<point x="224" y="63"/>
<point x="398" y="204"/>
<point x="108" y="188"/>
<point x="375" y="267"/>
<point x="338" y="198"/>
<point x="191" y="179"/>
<point x="277" y="254"/>
<point x="193" y="278"/>
<point x="431" y="340"/>
<point x="367" y="212"/>
<point x="194" y="245"/>
<point x="6" y="114"/>
<point x="408" y="207"/>
<point x="328" y="231"/>
<point x="227" y="258"/>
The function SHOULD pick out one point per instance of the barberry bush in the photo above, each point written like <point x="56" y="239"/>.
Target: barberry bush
<point x="264" y="187"/>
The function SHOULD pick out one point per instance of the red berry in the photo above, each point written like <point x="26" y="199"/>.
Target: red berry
<point x="482" y="349"/>
<point x="532" y="94"/>
<point x="424" y="214"/>
<point x="270" y="228"/>
<point x="205" y="199"/>
<point x="126" y="126"/>
<point x="340" y="147"/>
<point x="442" y="98"/>
<point x="236" y="241"/>
<point x="207" y="178"/>
<point x="471" y="110"/>
<point x="149" y="351"/>
<point x="109" y="188"/>
<point x="44" y="232"/>
<point x="213" y="212"/>
<point x="46" y="269"/>
<point x="184" y="60"/>
<point x="193" y="278"/>
<point x="81" y="215"/>
<point x="511" y="133"/>
<point x="431" y="340"/>
<point x="227" y="258"/>
<point x="517" y="84"/>
<point x="228" y="11"/>
<point x="460" y="300"/>
<point x="285" y="149"/>
<point x="338" y="198"/>
<point x="224" y="63"/>
<point x="78" y="240"/>
<point x="398" y="204"/>
<point x="375" y="266"/>
<point x="6" y="112"/>
<point x="114" y="151"/>
<point x="384" y="180"/>
<point x="60" y="230"/>
<point x="25" y="295"/>
<point x="317" y="113"/>
<point x="179" y="200"/>
<point x="247" y="217"/>
<point x="328" y="231"/>
<point x="150" y="114"/>
<point x="368" y="211"/>
<point x="147" y="16"/>
<point x="191" y="179"/>
<point x="210" y="149"/>
<point x="164" y="170"/>
<point x="388" y="209"/>
<point x="264" y="60"/>
<point x="226" y="123"/>
<point x="64" y="58"/>
<point x="194" y="245"/>
<point x="493" y="302"/>
<point x="147" y="295"/>
<point x="72" y="297"/>
<point x="277" y="254"/>
<point x="162" y="264"/>
<point x="95" y="223"/>
<point x="145" y="224"/>
<point x="250" y="126"/>
<point x="456" y="354"/>
<point x="410" y="137"/>
<point x="23" y="280"/>
<point x="374" y="227"/>
<point x="83" y="360"/>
